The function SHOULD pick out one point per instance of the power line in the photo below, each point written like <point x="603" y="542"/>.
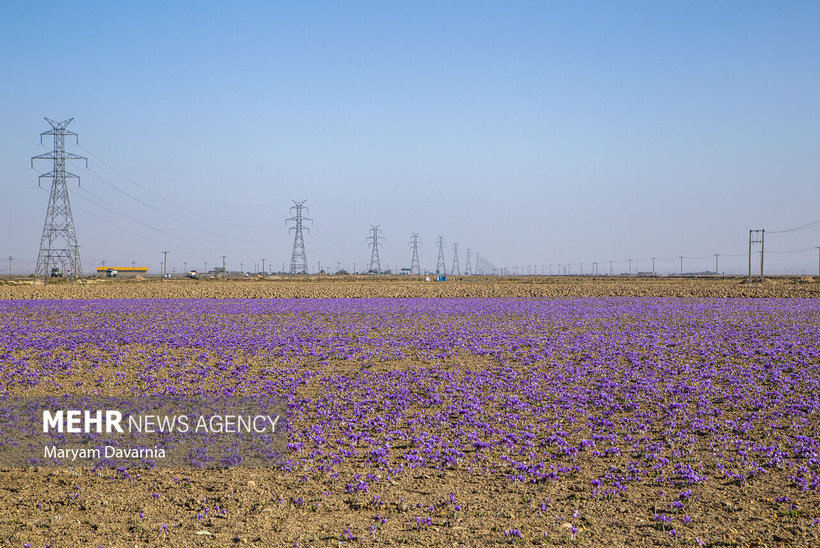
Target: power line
<point x="205" y="220"/>
<point x="99" y="202"/>
<point x="805" y="249"/>
<point x="807" y="226"/>
<point x="176" y="219"/>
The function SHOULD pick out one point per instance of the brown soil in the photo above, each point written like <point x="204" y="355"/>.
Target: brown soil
<point x="391" y="287"/>
<point x="78" y="507"/>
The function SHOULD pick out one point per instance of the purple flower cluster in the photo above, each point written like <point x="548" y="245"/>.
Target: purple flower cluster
<point x="668" y="392"/>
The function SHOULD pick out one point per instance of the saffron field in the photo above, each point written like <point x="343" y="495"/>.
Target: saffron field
<point x="439" y="421"/>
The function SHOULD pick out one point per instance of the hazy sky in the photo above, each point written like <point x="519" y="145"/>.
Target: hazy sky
<point x="534" y="133"/>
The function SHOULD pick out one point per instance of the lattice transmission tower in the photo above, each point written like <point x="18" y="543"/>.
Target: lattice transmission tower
<point x="374" y="239"/>
<point x="468" y="267"/>
<point x="415" y="268"/>
<point x="58" y="245"/>
<point x="298" y="258"/>
<point x="456" y="270"/>
<point x="441" y="266"/>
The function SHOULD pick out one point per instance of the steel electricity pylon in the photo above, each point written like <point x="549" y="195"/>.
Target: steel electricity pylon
<point x="298" y="257"/>
<point x="456" y="270"/>
<point x="467" y="267"/>
<point x="374" y="239"/>
<point x="415" y="268"/>
<point x="441" y="267"/>
<point x="58" y="245"/>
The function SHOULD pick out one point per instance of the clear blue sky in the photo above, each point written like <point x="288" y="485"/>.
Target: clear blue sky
<point x="531" y="132"/>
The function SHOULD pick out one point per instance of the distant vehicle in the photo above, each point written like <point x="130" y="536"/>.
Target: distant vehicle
<point x="193" y="274"/>
<point x="56" y="272"/>
<point x="166" y="275"/>
<point x="111" y="273"/>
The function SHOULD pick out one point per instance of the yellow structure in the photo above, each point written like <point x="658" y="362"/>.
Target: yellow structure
<point x="123" y="270"/>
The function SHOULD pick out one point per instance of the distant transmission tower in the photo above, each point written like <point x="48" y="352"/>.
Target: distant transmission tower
<point x="58" y="245"/>
<point x="375" y="263"/>
<point x="456" y="270"/>
<point x="468" y="267"/>
<point x="441" y="267"/>
<point x="298" y="258"/>
<point x="414" y="263"/>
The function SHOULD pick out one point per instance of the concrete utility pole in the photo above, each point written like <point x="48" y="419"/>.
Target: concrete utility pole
<point x="653" y="267"/>
<point x="681" y="264"/>
<point x="756" y="237"/>
<point x="630" y="267"/>
<point x="264" y="272"/>
<point x="185" y="265"/>
<point x="818" y="261"/>
<point x="318" y="267"/>
<point x="241" y="268"/>
<point x="223" y="265"/>
<point x="610" y="268"/>
<point x="164" y="262"/>
<point x="716" y="264"/>
<point x="12" y="258"/>
<point x="354" y="268"/>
